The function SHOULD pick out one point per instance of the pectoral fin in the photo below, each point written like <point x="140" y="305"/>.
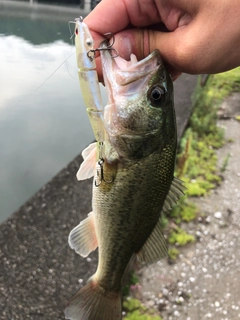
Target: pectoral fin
<point x="83" y="237"/>
<point x="88" y="150"/>
<point x="87" y="167"/>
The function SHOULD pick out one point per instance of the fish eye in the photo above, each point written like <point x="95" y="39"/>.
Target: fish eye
<point x="156" y="94"/>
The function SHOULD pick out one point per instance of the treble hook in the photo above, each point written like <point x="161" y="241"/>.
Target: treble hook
<point x="92" y="53"/>
<point x="101" y="174"/>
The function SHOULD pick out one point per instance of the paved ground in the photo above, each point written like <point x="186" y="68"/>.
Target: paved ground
<point x="205" y="282"/>
<point x="38" y="270"/>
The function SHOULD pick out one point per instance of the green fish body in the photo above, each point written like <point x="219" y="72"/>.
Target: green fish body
<point x="134" y="183"/>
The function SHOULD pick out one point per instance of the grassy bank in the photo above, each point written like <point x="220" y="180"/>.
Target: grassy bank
<point x="197" y="163"/>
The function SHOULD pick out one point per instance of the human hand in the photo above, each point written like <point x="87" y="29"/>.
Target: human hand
<point x="203" y="36"/>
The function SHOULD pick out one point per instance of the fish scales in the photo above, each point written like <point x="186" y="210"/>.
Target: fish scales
<point x="139" y="191"/>
<point x="133" y="167"/>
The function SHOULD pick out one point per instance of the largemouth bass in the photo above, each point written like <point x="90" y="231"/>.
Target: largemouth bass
<point x="134" y="181"/>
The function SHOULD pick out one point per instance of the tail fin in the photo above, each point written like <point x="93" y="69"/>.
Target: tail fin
<point x="93" y="303"/>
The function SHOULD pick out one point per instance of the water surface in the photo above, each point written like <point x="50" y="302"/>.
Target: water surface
<point x="43" y="123"/>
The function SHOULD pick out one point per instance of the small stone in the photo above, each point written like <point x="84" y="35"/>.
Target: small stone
<point x="209" y="315"/>
<point x="162" y="305"/>
<point x="208" y="219"/>
<point x="198" y="234"/>
<point x="165" y="292"/>
<point x="218" y="215"/>
<point x="151" y="303"/>
<point x="180" y="300"/>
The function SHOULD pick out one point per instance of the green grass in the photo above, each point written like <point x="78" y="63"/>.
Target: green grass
<point x="136" y="311"/>
<point x="132" y="280"/>
<point x="184" y="211"/>
<point x="173" y="253"/>
<point x="180" y="237"/>
<point x="225" y="163"/>
<point x="237" y="118"/>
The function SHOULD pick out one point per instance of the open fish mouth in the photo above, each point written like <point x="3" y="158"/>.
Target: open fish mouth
<point x="123" y="77"/>
<point x="127" y="84"/>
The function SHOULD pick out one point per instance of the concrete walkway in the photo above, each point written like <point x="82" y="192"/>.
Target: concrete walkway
<point x="38" y="270"/>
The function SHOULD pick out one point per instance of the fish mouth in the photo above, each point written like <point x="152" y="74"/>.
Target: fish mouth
<point x="123" y="77"/>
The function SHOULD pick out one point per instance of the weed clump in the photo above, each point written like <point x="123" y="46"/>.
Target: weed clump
<point x="136" y="311"/>
<point x="179" y="237"/>
<point x="173" y="253"/>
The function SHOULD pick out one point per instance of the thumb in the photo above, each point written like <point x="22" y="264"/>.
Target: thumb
<point x="142" y="42"/>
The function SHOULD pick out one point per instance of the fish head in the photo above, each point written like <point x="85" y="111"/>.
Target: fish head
<point x="139" y="118"/>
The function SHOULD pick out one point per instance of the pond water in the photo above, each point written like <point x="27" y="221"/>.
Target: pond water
<point x="43" y="123"/>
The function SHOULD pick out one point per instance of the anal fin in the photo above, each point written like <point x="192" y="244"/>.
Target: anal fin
<point x="83" y="237"/>
<point x="155" y="247"/>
